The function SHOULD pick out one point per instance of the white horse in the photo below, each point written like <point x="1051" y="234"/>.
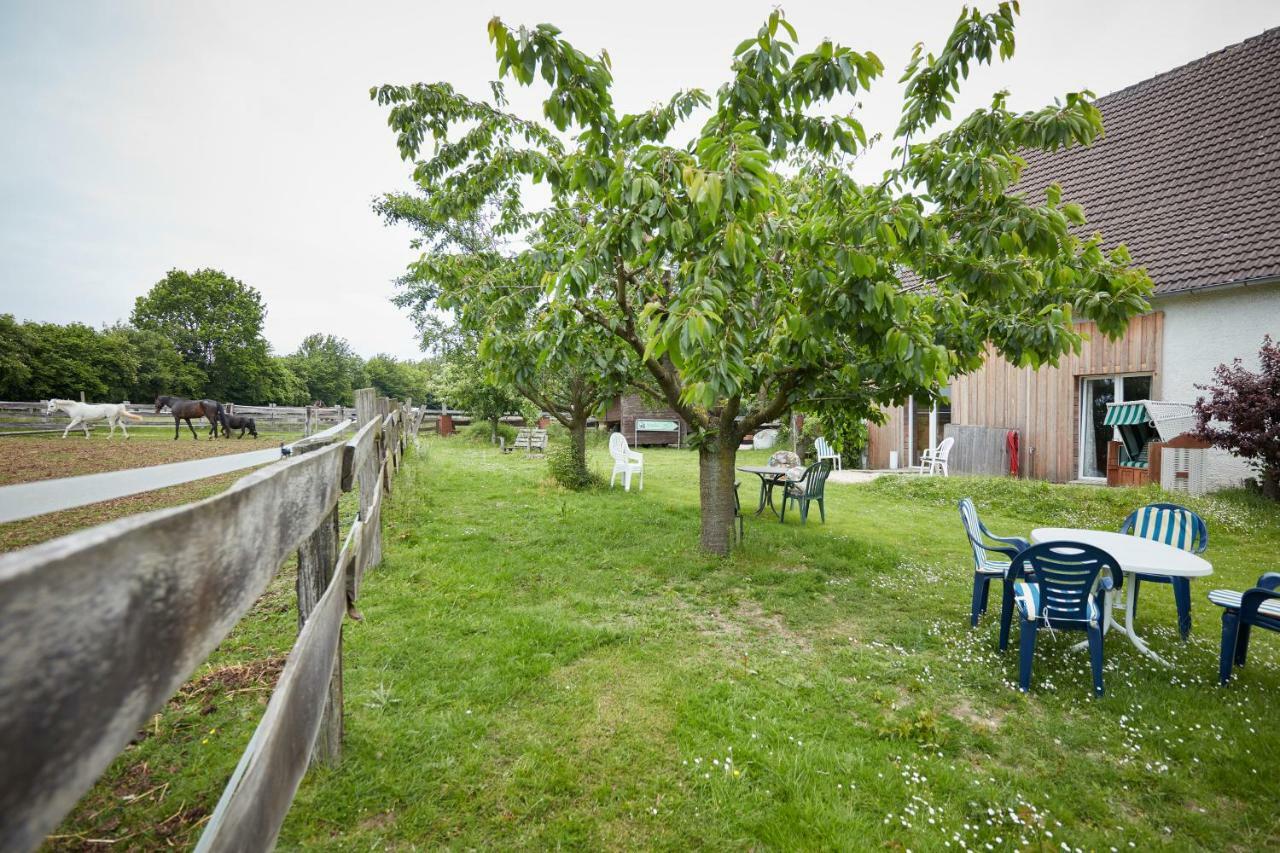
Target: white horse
<point x="83" y="413"/>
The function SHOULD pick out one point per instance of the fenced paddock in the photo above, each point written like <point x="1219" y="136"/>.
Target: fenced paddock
<point x="157" y="592"/>
<point x="17" y="418"/>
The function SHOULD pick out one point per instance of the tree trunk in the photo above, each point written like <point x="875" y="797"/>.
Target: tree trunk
<point x="493" y="431"/>
<point x="715" y="495"/>
<point x="578" y="449"/>
<point x="1270" y="482"/>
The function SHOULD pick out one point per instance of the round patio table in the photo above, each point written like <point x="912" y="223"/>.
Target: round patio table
<point x="770" y="476"/>
<point x="1135" y="556"/>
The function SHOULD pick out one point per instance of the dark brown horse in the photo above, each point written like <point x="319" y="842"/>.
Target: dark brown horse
<point x="240" y="422"/>
<point x="185" y="410"/>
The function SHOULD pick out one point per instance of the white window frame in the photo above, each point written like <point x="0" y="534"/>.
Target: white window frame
<point x="1120" y="398"/>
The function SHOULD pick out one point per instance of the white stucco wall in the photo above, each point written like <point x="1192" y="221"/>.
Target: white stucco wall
<point x="1203" y="330"/>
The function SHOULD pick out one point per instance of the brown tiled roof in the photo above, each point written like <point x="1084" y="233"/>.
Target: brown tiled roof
<point x="1187" y="173"/>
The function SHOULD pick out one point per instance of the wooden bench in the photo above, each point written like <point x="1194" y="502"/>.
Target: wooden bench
<point x="530" y="439"/>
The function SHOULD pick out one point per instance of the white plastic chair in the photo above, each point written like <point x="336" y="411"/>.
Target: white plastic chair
<point x="625" y="461"/>
<point x="937" y="458"/>
<point x="825" y="451"/>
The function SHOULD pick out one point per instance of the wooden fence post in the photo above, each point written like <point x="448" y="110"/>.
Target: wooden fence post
<point x="367" y="410"/>
<point x="316" y="560"/>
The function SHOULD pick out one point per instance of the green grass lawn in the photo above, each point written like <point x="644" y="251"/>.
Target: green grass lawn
<point x="540" y="669"/>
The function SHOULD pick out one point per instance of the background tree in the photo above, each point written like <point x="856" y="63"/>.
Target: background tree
<point x="1242" y="414"/>
<point x="495" y="294"/>
<point x="216" y="323"/>
<point x="161" y="368"/>
<point x="15" y="345"/>
<point x="399" y="380"/>
<point x="329" y="368"/>
<point x="64" y="360"/>
<point x="464" y="383"/>
<point x="282" y="385"/>
<point x="744" y="268"/>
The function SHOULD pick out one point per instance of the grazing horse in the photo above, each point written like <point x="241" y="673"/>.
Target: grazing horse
<point x="240" y="422"/>
<point x="185" y="410"/>
<point x="83" y="413"/>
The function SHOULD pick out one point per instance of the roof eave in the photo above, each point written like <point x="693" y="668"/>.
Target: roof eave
<point x="1223" y="285"/>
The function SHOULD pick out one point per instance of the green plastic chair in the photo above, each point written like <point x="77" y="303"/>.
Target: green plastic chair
<point x="806" y="490"/>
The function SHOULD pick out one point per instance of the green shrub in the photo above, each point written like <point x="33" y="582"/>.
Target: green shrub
<point x="558" y="433"/>
<point x="565" y="472"/>
<point x="481" y="432"/>
<point x="1094" y="507"/>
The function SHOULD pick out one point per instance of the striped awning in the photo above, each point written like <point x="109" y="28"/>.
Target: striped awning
<point x="1120" y="414"/>
<point x="1170" y="419"/>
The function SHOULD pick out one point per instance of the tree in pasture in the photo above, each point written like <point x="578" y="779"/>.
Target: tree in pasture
<point x="329" y="368"/>
<point x="744" y="268"/>
<point x="216" y="323"/>
<point x="1242" y="414"/>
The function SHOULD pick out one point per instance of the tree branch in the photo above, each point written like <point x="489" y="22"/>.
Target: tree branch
<point x="666" y="379"/>
<point x="774" y="407"/>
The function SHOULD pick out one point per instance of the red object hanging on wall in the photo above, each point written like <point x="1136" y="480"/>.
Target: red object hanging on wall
<point x="1011" y="442"/>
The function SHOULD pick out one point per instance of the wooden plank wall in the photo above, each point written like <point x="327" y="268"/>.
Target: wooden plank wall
<point x="633" y="407"/>
<point x="890" y="435"/>
<point x="1042" y="405"/>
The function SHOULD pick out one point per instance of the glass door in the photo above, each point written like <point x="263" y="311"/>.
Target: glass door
<point x="1094" y="396"/>
<point x="1135" y="388"/>
<point x="1095" y="393"/>
<point x="921" y="437"/>
<point x="927" y="420"/>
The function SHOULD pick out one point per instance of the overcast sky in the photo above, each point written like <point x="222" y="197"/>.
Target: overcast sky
<point x="136" y="137"/>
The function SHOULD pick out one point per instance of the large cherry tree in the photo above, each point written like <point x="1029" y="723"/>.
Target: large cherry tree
<point x="741" y="266"/>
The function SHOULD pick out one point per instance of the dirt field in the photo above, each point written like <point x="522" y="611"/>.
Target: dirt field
<point x="25" y="459"/>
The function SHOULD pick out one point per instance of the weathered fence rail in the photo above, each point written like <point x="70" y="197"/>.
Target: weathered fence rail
<point x="99" y="628"/>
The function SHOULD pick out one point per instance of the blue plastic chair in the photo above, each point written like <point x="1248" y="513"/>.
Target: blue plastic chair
<point x="1241" y="611"/>
<point x="1058" y="585"/>
<point x="987" y="568"/>
<point x="1173" y="525"/>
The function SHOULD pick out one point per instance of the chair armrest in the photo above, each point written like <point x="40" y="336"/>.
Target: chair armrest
<point x="1271" y="580"/>
<point x="996" y="549"/>
<point x="1253" y="599"/>
<point x="633" y="456"/>
<point x="1016" y="541"/>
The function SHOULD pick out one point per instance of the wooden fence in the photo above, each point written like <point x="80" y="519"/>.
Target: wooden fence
<point x="978" y="450"/>
<point x="99" y="628"/>
<point x="20" y="417"/>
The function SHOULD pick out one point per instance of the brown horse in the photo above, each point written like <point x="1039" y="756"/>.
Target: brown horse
<point x="240" y="422"/>
<point x="185" y="410"/>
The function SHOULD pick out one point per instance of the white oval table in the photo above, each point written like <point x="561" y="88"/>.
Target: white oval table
<point x="1135" y="556"/>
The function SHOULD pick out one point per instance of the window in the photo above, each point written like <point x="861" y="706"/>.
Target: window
<point x="1095" y="394"/>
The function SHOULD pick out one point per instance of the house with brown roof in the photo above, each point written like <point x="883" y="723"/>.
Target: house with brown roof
<point x="1187" y="175"/>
